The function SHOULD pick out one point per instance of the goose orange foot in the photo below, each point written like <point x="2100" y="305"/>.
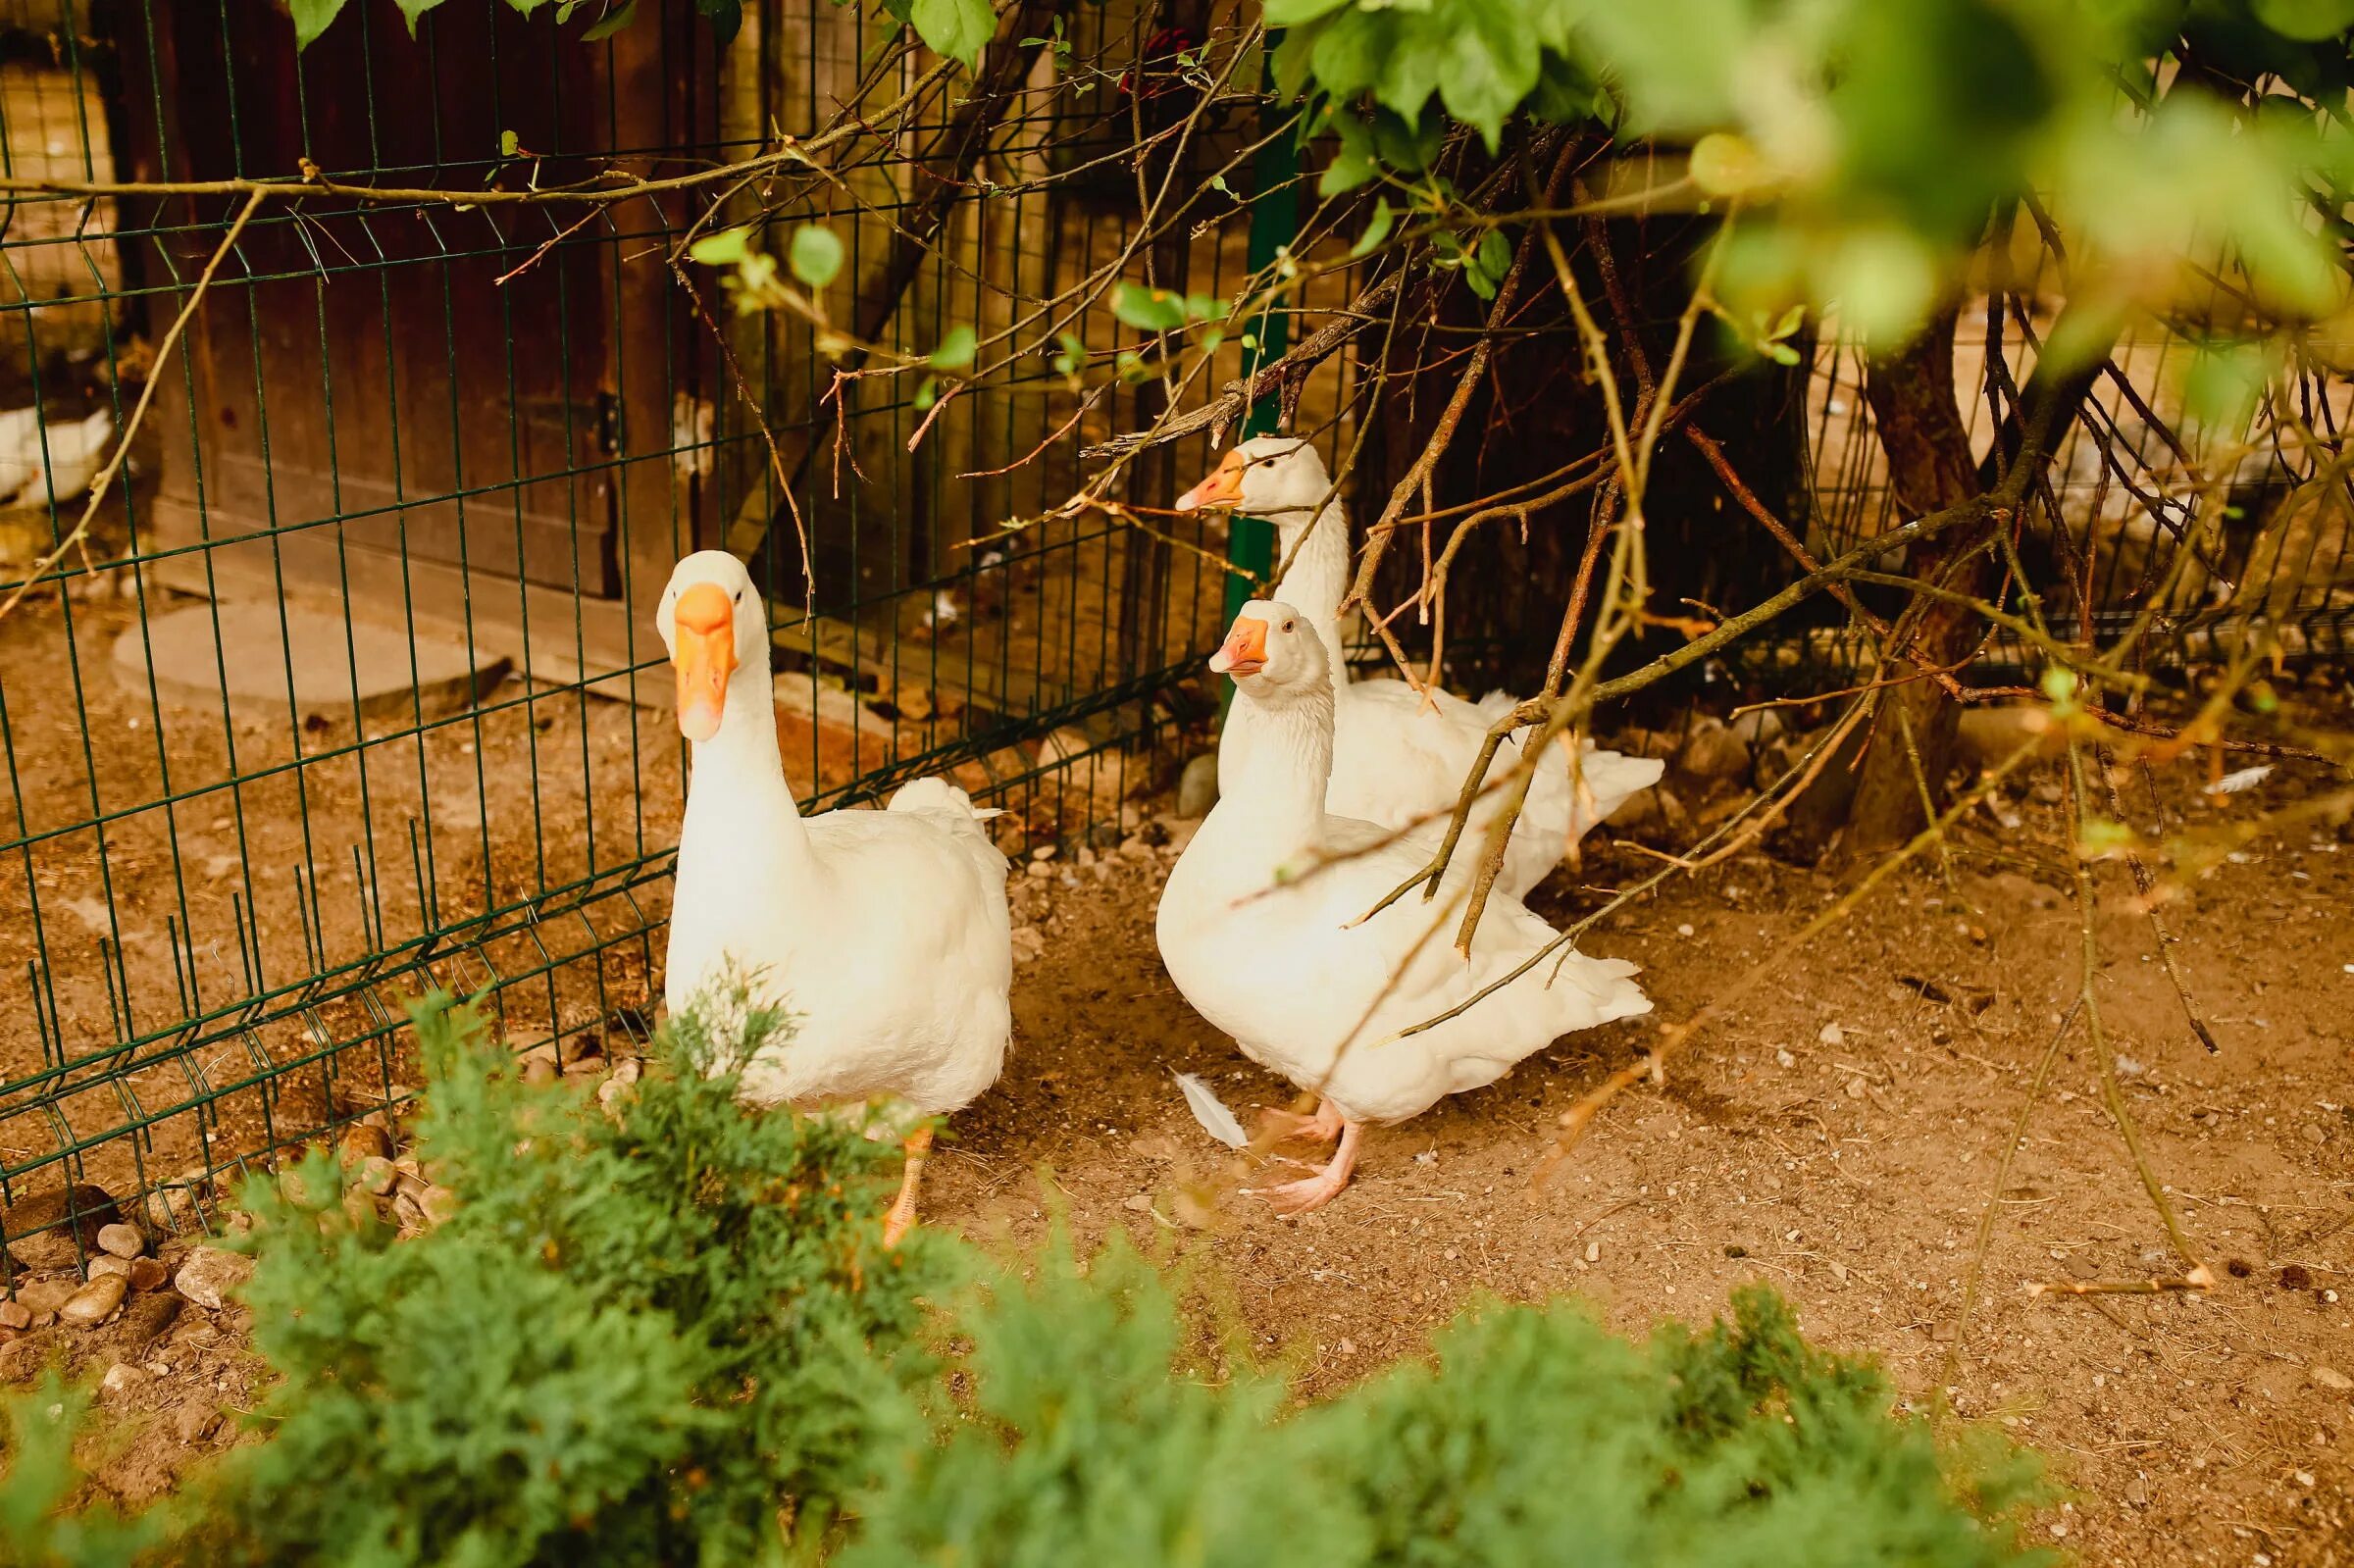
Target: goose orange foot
<point x="1314" y="1192"/>
<point x="900" y="1217"/>
<point x="1323" y="1127"/>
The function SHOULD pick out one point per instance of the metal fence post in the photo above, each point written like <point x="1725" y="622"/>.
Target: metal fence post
<point x="1274" y="224"/>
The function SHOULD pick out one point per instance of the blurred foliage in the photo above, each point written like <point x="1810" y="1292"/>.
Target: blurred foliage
<point x="634" y="1339"/>
<point x="38" y="1478"/>
<point x="1873" y="140"/>
<point x="1536" y="1437"/>
<point x="667" y="1333"/>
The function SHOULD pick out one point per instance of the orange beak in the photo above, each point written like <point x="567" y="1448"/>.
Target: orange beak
<point x="703" y="652"/>
<point x="1223" y="487"/>
<point x="1246" y="649"/>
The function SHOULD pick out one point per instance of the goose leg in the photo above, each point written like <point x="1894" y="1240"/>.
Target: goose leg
<point x="1321" y="1128"/>
<point x="901" y="1216"/>
<point x="1314" y="1192"/>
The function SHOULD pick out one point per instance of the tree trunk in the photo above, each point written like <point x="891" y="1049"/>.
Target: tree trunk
<point x="1930" y="468"/>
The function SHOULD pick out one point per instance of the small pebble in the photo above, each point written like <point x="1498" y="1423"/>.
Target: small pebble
<point x="48" y="1296"/>
<point x="2316" y="1133"/>
<point x="106" y="1263"/>
<point x="1141" y="1203"/>
<point x="95" y="1302"/>
<point x="1784" y="1059"/>
<point x="148" y="1274"/>
<point x="122" y="1240"/>
<point x="1685" y="930"/>
<point x="1832" y="1034"/>
<point x="1593" y="1251"/>
<point x="2330" y="1377"/>
<point x="1855" y="1087"/>
<point x="377" y="1176"/>
<point x="120" y="1377"/>
<point x="193" y="1423"/>
<point x="208" y="1275"/>
<point x="15" y="1315"/>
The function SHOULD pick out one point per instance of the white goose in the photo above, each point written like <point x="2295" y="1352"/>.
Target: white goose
<point x="885" y="934"/>
<point x="1399" y="756"/>
<point x="44" y="464"/>
<point x="1276" y="959"/>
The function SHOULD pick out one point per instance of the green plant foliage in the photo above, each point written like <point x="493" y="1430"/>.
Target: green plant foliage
<point x="1871" y="140"/>
<point x="815" y="255"/>
<point x="1080" y="1447"/>
<point x="1160" y="310"/>
<point x="956" y="350"/>
<point x="668" y="1336"/>
<point x="37" y="1479"/>
<point x="958" y="29"/>
<point x="1537" y="1431"/>
<point x="632" y="1342"/>
<point x="1537" y="1438"/>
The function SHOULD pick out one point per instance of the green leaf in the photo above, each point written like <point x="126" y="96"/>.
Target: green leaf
<point x="1377" y="228"/>
<point x="956" y="350"/>
<point x="2310" y="21"/>
<point x="311" y="17"/>
<point x="1487" y="63"/>
<point x="1349" y="168"/>
<point x="723" y="249"/>
<point x="1151" y="310"/>
<point x="1291" y="13"/>
<point x="927" y="393"/>
<point x="2220" y="388"/>
<point x="958" y="29"/>
<point x="815" y="255"/>
<point x="1073" y="355"/>
<point x="411" y="10"/>
<point x="1494" y="254"/>
<point x="611" y="23"/>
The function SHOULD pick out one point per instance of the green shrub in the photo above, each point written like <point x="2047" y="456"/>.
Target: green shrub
<point x="635" y="1340"/>
<point x="1537" y="1438"/>
<point x="1085" y="1443"/>
<point x="37" y="1430"/>
<point x="671" y="1336"/>
<point x="1538" y="1430"/>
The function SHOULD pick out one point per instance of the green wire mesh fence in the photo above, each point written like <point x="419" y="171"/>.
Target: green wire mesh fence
<point x="350" y="688"/>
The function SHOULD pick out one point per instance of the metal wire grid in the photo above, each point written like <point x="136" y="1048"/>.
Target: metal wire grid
<point x="2277" y="567"/>
<point x="217" y="910"/>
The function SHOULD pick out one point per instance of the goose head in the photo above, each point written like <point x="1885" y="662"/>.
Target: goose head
<point x="1274" y="655"/>
<point x="1267" y="476"/>
<point x="713" y="622"/>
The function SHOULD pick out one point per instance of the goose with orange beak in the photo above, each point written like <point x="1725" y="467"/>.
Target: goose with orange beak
<point x="1399" y="756"/>
<point x="1285" y="964"/>
<point x="883" y="934"/>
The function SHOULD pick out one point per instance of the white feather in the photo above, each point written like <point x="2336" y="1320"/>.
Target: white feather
<point x="2232" y="784"/>
<point x="1211" y="1111"/>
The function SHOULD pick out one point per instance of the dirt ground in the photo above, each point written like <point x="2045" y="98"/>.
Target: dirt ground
<point x="1837" y="1136"/>
<point x="1847" y="1166"/>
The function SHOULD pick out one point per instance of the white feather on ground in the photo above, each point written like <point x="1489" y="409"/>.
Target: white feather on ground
<point x="1211" y="1111"/>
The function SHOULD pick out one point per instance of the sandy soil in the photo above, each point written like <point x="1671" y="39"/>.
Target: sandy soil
<point x="1838" y="1136"/>
<point x="1849" y="1168"/>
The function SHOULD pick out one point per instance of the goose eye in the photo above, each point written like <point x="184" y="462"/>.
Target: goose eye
<point x="1287" y="625"/>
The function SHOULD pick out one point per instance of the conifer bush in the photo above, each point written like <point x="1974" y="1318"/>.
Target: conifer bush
<point x="670" y="1336"/>
<point x="635" y="1340"/>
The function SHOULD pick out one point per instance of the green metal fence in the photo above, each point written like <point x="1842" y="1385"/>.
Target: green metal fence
<point x="352" y="689"/>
